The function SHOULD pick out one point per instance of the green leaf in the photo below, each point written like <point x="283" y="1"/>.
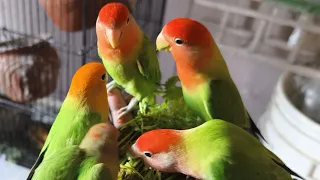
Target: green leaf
<point x="173" y="93"/>
<point x="171" y="82"/>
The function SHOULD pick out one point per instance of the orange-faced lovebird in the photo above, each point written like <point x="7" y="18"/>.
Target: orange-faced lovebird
<point x="208" y="88"/>
<point x="85" y="105"/>
<point x="95" y="158"/>
<point x="215" y="150"/>
<point x="128" y="55"/>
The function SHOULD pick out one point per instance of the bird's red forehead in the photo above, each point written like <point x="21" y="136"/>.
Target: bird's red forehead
<point x="113" y="14"/>
<point x="192" y="32"/>
<point x="157" y="141"/>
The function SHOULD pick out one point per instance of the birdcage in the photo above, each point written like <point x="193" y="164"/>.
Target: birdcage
<point x="42" y="44"/>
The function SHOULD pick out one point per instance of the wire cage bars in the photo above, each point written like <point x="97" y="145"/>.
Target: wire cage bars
<point x="42" y="44"/>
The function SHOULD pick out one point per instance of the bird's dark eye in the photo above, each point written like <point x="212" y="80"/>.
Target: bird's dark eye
<point x="103" y="77"/>
<point x="179" y="41"/>
<point x="148" y="154"/>
<point x="128" y="20"/>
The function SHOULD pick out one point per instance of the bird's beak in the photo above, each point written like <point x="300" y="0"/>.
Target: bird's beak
<point x="162" y="43"/>
<point x="132" y="153"/>
<point x="113" y="36"/>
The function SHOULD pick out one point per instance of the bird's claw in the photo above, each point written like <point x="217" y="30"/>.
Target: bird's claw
<point x="143" y="108"/>
<point x="125" y="110"/>
<point x="112" y="85"/>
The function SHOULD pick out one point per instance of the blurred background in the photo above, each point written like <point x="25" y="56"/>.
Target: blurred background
<point x="271" y="48"/>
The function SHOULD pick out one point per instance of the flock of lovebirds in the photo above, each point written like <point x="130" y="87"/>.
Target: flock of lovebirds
<point x="83" y="142"/>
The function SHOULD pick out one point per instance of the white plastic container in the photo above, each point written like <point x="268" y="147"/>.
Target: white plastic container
<point x="291" y="134"/>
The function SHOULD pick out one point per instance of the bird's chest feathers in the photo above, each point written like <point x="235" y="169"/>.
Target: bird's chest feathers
<point x="190" y="80"/>
<point x="191" y="71"/>
<point x="118" y="55"/>
<point x="82" y="121"/>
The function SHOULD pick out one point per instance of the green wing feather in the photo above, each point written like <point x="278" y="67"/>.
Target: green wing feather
<point x="281" y="164"/>
<point x="44" y="149"/>
<point x="254" y="129"/>
<point x="37" y="163"/>
<point x="238" y="154"/>
<point x="239" y="166"/>
<point x="92" y="170"/>
<point x="61" y="164"/>
<point x="225" y="103"/>
<point x="147" y="62"/>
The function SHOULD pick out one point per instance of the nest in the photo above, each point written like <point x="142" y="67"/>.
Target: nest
<point x="28" y="69"/>
<point x="173" y="113"/>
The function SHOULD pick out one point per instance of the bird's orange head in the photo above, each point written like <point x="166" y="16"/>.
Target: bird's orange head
<point x="88" y="88"/>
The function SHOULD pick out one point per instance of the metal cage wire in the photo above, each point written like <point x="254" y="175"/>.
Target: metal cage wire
<point x="23" y="23"/>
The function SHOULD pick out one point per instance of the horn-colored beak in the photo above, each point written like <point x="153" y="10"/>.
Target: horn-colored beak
<point x="162" y="43"/>
<point x="113" y="36"/>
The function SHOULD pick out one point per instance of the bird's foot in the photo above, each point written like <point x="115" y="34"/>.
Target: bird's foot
<point x="143" y="108"/>
<point x="111" y="85"/>
<point x="125" y="110"/>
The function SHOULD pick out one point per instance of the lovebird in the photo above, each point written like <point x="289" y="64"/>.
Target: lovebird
<point x="85" y="105"/>
<point x="128" y="55"/>
<point x="96" y="158"/>
<point x="215" y="150"/>
<point x="207" y="86"/>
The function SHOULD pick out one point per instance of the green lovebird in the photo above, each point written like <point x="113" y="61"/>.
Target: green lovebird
<point x="96" y="158"/>
<point x="215" y="150"/>
<point x="85" y="105"/>
<point x="208" y="88"/>
<point x="128" y="55"/>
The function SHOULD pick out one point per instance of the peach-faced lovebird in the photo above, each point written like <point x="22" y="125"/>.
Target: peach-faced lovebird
<point x="128" y="55"/>
<point x="215" y="150"/>
<point x="96" y="158"/>
<point x="85" y="105"/>
<point x="208" y="88"/>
